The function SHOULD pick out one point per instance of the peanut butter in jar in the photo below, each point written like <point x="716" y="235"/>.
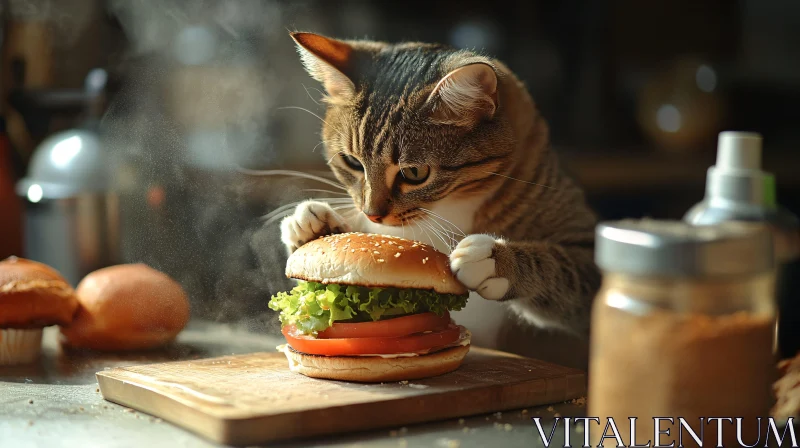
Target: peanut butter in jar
<point x="683" y="328"/>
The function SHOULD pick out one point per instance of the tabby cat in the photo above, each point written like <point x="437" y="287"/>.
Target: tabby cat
<point x="420" y="133"/>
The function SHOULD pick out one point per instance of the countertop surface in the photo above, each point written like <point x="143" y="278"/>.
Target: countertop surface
<point x="56" y="403"/>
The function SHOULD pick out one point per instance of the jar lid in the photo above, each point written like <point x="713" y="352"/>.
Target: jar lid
<point x="678" y="249"/>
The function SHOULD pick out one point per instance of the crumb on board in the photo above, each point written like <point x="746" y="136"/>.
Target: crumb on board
<point x="550" y="408"/>
<point x="579" y="401"/>
<point x="403" y="430"/>
<point x="465" y="429"/>
<point x="393" y="433"/>
<point x="498" y="415"/>
<point x="556" y="415"/>
<point x="524" y="411"/>
<point x="461" y="421"/>
<point x="508" y="427"/>
<point x="497" y="425"/>
<point x="403" y="443"/>
<point x="30" y="401"/>
<point x="418" y="386"/>
<point x="97" y="390"/>
<point x="404" y="382"/>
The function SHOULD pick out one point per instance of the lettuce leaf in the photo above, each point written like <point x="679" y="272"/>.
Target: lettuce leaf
<point x="312" y="307"/>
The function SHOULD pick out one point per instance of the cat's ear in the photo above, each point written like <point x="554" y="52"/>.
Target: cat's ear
<point x="465" y="96"/>
<point x="327" y="61"/>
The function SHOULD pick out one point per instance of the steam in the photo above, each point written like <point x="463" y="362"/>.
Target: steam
<point x="203" y="84"/>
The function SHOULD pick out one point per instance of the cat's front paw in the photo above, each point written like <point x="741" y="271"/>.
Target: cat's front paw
<point x="472" y="263"/>
<point x="310" y="220"/>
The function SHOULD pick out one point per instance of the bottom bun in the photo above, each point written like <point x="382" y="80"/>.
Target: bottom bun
<point x="375" y="369"/>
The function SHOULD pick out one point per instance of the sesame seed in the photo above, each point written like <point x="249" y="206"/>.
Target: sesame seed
<point x="442" y="280"/>
<point x="383" y="241"/>
<point x="400" y="247"/>
<point x="375" y="252"/>
<point x="381" y="260"/>
<point x="377" y="245"/>
<point x="397" y="255"/>
<point x="363" y="249"/>
<point x="352" y="250"/>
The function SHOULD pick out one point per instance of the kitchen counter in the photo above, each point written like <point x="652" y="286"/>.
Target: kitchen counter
<point x="56" y="403"/>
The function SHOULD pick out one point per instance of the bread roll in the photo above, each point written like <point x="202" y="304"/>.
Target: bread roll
<point x="127" y="307"/>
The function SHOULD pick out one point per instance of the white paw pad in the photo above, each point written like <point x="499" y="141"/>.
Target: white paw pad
<point x="310" y="221"/>
<point x="473" y="265"/>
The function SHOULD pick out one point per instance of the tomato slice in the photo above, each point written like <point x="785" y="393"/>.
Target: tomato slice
<point x="389" y="328"/>
<point x="418" y="342"/>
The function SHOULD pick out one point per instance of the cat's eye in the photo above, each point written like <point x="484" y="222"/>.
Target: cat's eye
<point x="352" y="162"/>
<point x="416" y="175"/>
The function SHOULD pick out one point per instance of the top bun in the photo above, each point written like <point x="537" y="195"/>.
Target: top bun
<point x="371" y="260"/>
<point x="34" y="295"/>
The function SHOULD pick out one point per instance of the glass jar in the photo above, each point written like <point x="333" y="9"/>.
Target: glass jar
<point x="683" y="327"/>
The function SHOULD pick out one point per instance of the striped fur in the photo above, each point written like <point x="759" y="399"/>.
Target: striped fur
<point x="492" y="175"/>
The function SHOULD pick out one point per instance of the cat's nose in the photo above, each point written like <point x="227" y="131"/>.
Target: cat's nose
<point x="375" y="218"/>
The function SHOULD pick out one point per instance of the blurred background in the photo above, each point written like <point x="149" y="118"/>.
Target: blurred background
<point x="124" y="121"/>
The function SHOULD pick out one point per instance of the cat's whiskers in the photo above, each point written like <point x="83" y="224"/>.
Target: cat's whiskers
<point x="520" y="180"/>
<point x="430" y="238"/>
<point x="282" y="210"/>
<point x="334" y="156"/>
<point x="423" y="225"/>
<point x="338" y="131"/>
<point x="347" y="208"/>
<point x="330" y="182"/>
<point x="436" y="215"/>
<point x="314" y="149"/>
<point x="450" y="233"/>
<point x="309" y="95"/>
<point x="320" y="190"/>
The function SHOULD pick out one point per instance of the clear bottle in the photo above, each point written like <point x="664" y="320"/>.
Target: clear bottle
<point x="737" y="189"/>
<point x="682" y="327"/>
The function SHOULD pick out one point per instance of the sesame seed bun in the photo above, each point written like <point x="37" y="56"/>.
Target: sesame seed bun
<point x="374" y="369"/>
<point x="127" y="307"/>
<point x="371" y="260"/>
<point x="34" y="295"/>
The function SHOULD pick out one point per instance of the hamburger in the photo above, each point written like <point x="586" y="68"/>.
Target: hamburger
<point x="371" y="308"/>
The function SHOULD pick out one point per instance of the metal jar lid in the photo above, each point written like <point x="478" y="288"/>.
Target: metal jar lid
<point x="676" y="249"/>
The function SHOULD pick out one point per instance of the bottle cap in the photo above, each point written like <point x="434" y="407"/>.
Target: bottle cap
<point x="737" y="178"/>
<point x="739" y="150"/>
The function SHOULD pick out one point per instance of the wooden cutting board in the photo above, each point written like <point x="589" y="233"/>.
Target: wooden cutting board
<point x="255" y="399"/>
